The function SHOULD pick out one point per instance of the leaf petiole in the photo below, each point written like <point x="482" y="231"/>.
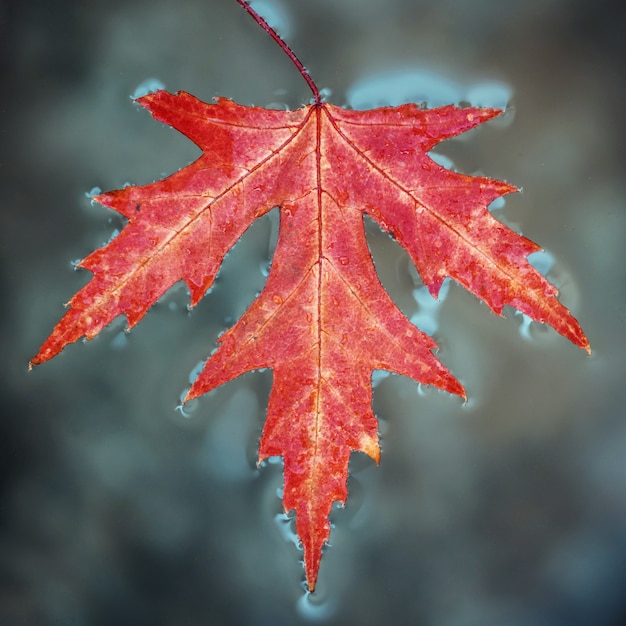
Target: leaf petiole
<point x="317" y="97"/>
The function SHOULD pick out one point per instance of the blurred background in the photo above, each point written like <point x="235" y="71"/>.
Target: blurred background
<point x="115" y="508"/>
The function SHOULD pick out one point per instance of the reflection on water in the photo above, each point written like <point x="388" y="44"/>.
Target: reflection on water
<point x="147" y="86"/>
<point x="275" y="15"/>
<point x="400" y="86"/>
<point x="313" y="609"/>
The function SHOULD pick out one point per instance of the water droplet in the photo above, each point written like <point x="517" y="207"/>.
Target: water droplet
<point x="277" y="299"/>
<point x="344" y="260"/>
<point x="265" y="267"/>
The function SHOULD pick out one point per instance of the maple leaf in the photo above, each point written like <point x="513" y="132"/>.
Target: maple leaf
<point x="323" y="322"/>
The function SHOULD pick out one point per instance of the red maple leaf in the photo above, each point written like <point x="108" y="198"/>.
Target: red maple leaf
<point x="323" y="322"/>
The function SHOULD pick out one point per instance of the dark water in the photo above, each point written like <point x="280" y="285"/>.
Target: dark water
<point x="115" y="508"/>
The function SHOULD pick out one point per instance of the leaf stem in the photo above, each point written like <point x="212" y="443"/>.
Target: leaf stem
<point x="285" y="48"/>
